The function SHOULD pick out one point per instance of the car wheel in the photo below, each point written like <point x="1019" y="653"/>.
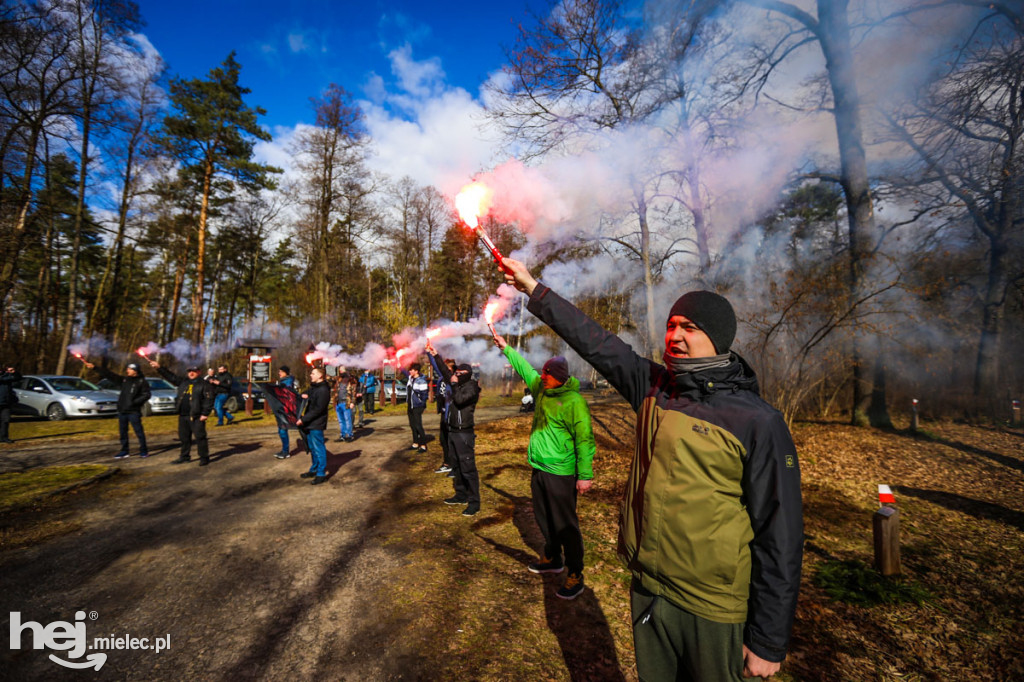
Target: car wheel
<point x="147" y="410"/>
<point x="231" y="404"/>
<point x="56" y="412"/>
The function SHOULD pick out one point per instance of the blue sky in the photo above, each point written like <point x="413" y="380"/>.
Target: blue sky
<point x="290" y="50"/>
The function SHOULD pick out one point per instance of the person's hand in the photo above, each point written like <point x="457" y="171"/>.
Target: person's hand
<point x="583" y="486"/>
<point x="298" y="422"/>
<point x="518" y="276"/>
<point x="499" y="340"/>
<point x="430" y="348"/>
<point x="88" y="364"/>
<point x="755" y="666"/>
<point x="203" y="417"/>
<point x="304" y="396"/>
<point x="154" y="364"/>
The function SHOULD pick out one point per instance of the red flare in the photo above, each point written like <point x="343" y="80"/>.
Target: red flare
<point x="310" y="357"/>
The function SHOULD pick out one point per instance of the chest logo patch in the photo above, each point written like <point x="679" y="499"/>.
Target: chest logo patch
<point x="701" y="429"/>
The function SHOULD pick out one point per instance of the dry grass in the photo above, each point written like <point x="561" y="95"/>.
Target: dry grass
<point x="474" y="607"/>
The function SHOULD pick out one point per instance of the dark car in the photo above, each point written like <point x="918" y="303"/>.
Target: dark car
<point x="239" y="394"/>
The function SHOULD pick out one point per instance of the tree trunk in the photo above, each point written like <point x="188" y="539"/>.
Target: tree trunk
<point x="198" y="330"/>
<point x="834" y="36"/>
<point x="645" y="251"/>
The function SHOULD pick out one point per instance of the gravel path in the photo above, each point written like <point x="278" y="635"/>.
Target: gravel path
<point x="250" y="571"/>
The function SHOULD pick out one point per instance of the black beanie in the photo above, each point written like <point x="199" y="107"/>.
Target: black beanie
<point x="464" y="367"/>
<point x="711" y="313"/>
<point x="558" y="368"/>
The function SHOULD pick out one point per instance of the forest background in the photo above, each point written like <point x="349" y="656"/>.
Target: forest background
<point x="849" y="173"/>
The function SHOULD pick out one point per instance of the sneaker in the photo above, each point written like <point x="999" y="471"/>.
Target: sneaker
<point x="451" y="474"/>
<point x="443" y="469"/>
<point x="546" y="565"/>
<point x="415" y="446"/>
<point x="204" y="462"/>
<point x="317" y="480"/>
<point x="572" y="588"/>
<point x="307" y="474"/>
<point x="284" y="454"/>
<point x="121" y="455"/>
<point x="423" y="448"/>
<point x="181" y="460"/>
<point x="143" y="455"/>
<point x="456" y="500"/>
<point x="471" y="509"/>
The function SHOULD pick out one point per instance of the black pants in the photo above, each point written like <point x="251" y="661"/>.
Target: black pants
<point x="462" y="445"/>
<point x="135" y="419"/>
<point x="446" y="448"/>
<point x="5" y="422"/>
<point x="419" y="436"/>
<point x="371" y="404"/>
<point x="190" y="428"/>
<point x="554" y="507"/>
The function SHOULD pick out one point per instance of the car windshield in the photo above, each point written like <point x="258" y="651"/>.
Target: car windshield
<point x="159" y="385"/>
<point x="72" y="384"/>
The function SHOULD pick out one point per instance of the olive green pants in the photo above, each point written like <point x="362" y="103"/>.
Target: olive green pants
<point x="673" y="645"/>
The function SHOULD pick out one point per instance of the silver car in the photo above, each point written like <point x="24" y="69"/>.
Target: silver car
<point x="162" y="399"/>
<point x="59" y="397"/>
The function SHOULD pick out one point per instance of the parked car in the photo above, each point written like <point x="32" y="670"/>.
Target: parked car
<point x="160" y="402"/>
<point x="389" y="387"/>
<point x="240" y="393"/>
<point x="162" y="399"/>
<point x="59" y="397"/>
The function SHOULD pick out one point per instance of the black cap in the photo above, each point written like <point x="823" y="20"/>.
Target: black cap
<point x="132" y="365"/>
<point x="285" y="369"/>
<point x="711" y="313"/>
<point x="464" y="367"/>
<point x="558" y="368"/>
<point x="193" y="368"/>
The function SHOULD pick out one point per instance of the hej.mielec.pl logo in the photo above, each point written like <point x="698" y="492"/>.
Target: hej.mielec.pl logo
<point x="72" y="638"/>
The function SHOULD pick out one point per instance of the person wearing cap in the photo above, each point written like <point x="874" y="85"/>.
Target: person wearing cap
<point x="711" y="525"/>
<point x="194" y="402"/>
<point x="134" y="395"/>
<point x="465" y="392"/>
<point x="561" y="452"/>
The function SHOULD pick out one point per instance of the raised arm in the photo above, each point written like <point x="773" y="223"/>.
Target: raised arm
<point x="523" y="368"/>
<point x="626" y="370"/>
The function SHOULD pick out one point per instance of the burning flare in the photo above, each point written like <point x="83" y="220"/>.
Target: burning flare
<point x="432" y="333"/>
<point x="472" y="201"/>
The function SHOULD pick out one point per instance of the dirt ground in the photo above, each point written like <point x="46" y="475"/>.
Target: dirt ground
<point x="250" y="571"/>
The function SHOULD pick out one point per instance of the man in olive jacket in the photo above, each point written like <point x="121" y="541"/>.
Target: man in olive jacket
<point x="711" y="524"/>
<point x="561" y="452"/>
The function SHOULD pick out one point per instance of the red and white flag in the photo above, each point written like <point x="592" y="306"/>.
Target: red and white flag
<point x="885" y="495"/>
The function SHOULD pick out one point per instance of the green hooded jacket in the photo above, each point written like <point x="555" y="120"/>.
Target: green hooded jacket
<point x="562" y="441"/>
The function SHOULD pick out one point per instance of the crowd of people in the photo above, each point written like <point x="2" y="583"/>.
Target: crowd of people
<point x="711" y="524"/>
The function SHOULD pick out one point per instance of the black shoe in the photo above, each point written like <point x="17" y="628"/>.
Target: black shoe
<point x="415" y="447"/>
<point x="307" y="474"/>
<point x="6" y="440"/>
<point x="443" y="469"/>
<point x="319" y="479"/>
<point x="143" y="455"/>
<point x="121" y="455"/>
<point x="471" y="509"/>
<point x="423" y="448"/>
<point x="451" y="474"/>
<point x="182" y="460"/>
<point x="204" y="462"/>
<point x="284" y="454"/>
<point x="546" y="565"/>
<point x="456" y="500"/>
<point x="572" y="588"/>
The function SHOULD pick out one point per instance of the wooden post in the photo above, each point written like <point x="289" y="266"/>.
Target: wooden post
<point x="886" y="522"/>
<point x="913" y="416"/>
<point x="1015" y="407"/>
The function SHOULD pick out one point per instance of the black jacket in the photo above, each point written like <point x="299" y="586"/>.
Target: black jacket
<point x="135" y="391"/>
<point x="8" y="397"/>
<point x="315" y="416"/>
<point x="722" y="415"/>
<point x="225" y="379"/>
<point x="195" y="396"/>
<point x="465" y="393"/>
